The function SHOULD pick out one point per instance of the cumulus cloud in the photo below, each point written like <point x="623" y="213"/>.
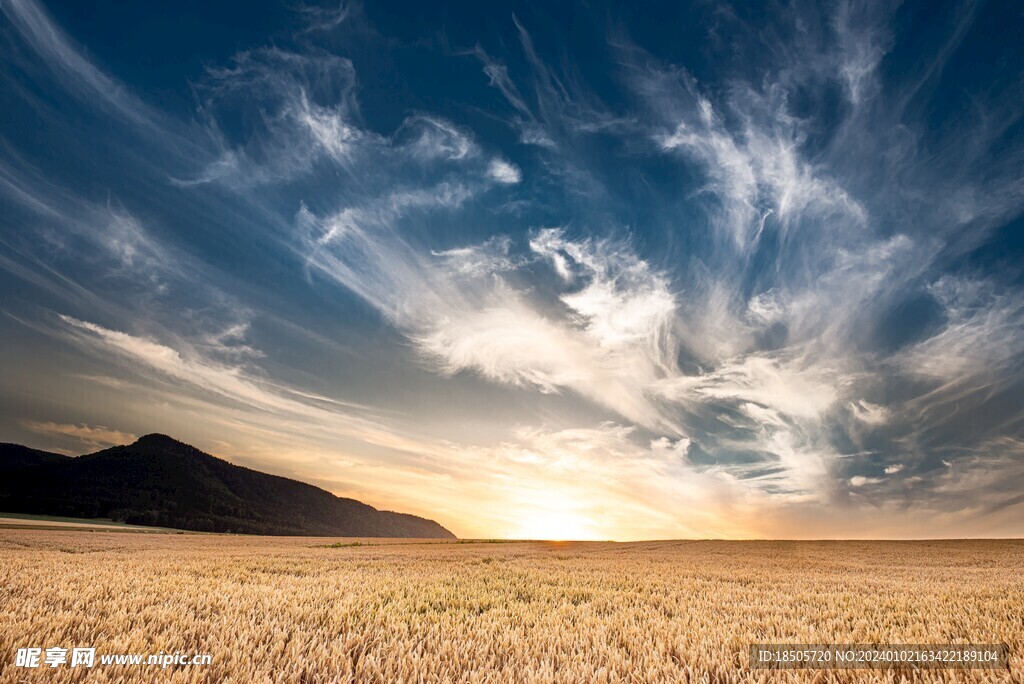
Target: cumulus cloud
<point x="503" y="172"/>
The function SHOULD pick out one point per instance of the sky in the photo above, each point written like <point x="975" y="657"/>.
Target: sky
<point x="532" y="270"/>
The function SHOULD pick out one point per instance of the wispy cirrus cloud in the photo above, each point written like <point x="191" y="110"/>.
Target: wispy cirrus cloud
<point x="229" y="379"/>
<point x="96" y="437"/>
<point x="754" y="279"/>
<point x="75" y="71"/>
<point x="464" y="310"/>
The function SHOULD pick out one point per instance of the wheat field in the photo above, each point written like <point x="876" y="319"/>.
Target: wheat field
<point x="319" y="610"/>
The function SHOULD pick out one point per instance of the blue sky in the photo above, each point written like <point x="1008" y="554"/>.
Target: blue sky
<point x="716" y="270"/>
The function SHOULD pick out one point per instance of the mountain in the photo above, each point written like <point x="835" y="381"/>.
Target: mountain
<point x="14" y="456"/>
<point x="161" y="481"/>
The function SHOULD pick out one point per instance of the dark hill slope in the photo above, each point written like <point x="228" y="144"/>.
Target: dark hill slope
<point x="14" y="456"/>
<point x="160" y="481"/>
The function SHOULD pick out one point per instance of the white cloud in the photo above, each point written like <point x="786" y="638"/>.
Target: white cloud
<point x="980" y="337"/>
<point x="492" y="256"/>
<point x="328" y="129"/>
<point x="77" y="73"/>
<point x="623" y="303"/>
<point x="678" y="448"/>
<point x="756" y="173"/>
<point x="464" y="315"/>
<point x="795" y="386"/>
<point x="766" y="308"/>
<point x="862" y="42"/>
<point x="871" y="414"/>
<point x="504" y="172"/>
<point x="435" y="138"/>
<point x="229" y="385"/>
<point x="325" y="18"/>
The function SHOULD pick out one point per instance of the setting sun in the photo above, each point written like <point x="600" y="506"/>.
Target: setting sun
<point x="557" y="525"/>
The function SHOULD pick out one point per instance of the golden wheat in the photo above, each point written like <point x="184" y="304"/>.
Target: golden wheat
<point x="299" y="610"/>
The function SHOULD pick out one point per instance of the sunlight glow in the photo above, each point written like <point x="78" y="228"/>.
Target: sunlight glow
<point x="557" y="524"/>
